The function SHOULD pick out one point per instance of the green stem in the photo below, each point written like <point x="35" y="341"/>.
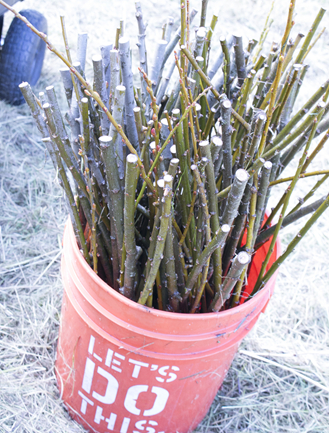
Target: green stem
<point x="252" y="215"/>
<point x="287" y="197"/>
<point x="239" y="263"/>
<point x="318" y="148"/>
<point x="310" y="193"/>
<point x="227" y="66"/>
<point x="241" y="106"/>
<point x="213" y="209"/>
<point x="284" y="97"/>
<point x="238" y="227"/>
<point x="154" y="234"/>
<point x="203" y="13"/>
<point x="264" y="33"/>
<point x="68" y="54"/>
<point x="301" y="176"/>
<point x="312" y="45"/>
<point x="292" y="217"/>
<point x="302" y="53"/>
<point x="92" y="204"/>
<point x="291" y="247"/>
<point x="226" y="137"/>
<point x="76" y="219"/>
<point x="280" y="146"/>
<point x="170" y="269"/>
<point x="261" y="196"/>
<point x="210" y="33"/>
<point x="172" y="132"/>
<point x="204" y="201"/>
<point x="130" y="280"/>
<point x="217" y="241"/>
<point x="239" y="59"/>
<point x="256" y="137"/>
<point x="300" y="114"/>
<point x="166" y="215"/>
<point x="273" y="92"/>
<point x="258" y="98"/>
<point x="207" y="81"/>
<point x="108" y="152"/>
<point x="235" y="196"/>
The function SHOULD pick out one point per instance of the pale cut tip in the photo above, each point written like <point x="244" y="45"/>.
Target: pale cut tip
<point x="120" y="88"/>
<point x="123" y="40"/>
<point x="96" y="58"/>
<point x="243" y="258"/>
<point x="217" y="141"/>
<point x="227" y="103"/>
<point x="268" y="165"/>
<point x="201" y="33"/>
<point x="132" y="158"/>
<point x="167" y="178"/>
<point x="242" y="175"/>
<point x="105" y="138"/>
<point x="174" y="151"/>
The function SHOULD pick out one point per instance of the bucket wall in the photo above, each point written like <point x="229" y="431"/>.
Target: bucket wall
<point x="125" y="368"/>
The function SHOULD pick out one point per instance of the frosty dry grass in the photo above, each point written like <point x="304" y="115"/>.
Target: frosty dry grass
<point x="256" y="397"/>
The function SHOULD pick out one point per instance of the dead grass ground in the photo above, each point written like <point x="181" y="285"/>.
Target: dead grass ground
<point x="279" y="381"/>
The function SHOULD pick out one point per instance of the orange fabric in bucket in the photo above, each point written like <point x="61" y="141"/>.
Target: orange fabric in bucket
<point x="256" y="265"/>
<point x="125" y="368"/>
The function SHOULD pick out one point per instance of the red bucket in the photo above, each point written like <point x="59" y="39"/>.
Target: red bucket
<point x="125" y="368"/>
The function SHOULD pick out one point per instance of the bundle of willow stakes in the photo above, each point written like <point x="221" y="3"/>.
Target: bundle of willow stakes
<point x="168" y="173"/>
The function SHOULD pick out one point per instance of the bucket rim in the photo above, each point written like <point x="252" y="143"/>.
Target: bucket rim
<point x="258" y="298"/>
